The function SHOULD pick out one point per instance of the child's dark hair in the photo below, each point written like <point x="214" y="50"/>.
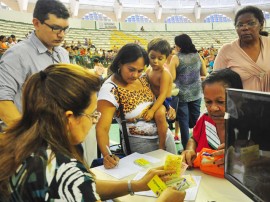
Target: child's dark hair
<point x="160" y="45"/>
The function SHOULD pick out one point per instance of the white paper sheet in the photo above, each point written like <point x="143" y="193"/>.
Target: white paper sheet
<point x="126" y="166"/>
<point x="191" y="193"/>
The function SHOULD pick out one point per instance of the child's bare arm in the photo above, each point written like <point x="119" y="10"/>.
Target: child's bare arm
<point x="164" y="90"/>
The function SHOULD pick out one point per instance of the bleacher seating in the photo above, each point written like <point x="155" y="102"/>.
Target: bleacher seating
<point x="106" y="39"/>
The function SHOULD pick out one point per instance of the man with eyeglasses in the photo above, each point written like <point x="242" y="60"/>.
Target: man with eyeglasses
<point x="41" y="49"/>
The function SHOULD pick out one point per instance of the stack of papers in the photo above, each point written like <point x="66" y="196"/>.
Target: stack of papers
<point x="127" y="166"/>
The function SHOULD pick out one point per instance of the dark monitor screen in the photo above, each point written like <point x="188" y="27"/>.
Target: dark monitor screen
<point x="247" y="151"/>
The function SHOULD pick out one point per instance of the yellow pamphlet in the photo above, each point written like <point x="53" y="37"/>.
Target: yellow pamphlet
<point x="174" y="162"/>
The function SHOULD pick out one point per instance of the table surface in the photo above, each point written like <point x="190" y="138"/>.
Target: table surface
<point x="211" y="189"/>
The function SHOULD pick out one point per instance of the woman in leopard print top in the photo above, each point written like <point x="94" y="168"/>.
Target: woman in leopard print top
<point x="128" y="82"/>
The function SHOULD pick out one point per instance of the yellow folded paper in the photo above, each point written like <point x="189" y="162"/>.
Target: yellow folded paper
<point x="142" y="162"/>
<point x="157" y="185"/>
<point x="174" y="162"/>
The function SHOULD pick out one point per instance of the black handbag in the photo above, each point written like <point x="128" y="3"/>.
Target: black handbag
<point x="124" y="133"/>
<point x="118" y="148"/>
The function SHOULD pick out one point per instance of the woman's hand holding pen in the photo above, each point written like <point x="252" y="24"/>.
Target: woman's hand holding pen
<point x="110" y="160"/>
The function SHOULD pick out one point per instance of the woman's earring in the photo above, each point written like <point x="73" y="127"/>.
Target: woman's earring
<point x="118" y="71"/>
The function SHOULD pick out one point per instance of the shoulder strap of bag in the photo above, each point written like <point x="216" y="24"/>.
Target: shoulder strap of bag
<point x="123" y="122"/>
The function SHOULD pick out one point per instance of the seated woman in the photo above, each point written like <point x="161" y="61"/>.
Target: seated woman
<point x="38" y="157"/>
<point x="136" y="98"/>
<point x="214" y="87"/>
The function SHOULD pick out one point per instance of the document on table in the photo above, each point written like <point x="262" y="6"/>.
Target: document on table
<point x="127" y="166"/>
<point x="191" y="193"/>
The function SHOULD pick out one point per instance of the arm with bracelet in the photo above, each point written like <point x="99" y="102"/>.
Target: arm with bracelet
<point x="113" y="189"/>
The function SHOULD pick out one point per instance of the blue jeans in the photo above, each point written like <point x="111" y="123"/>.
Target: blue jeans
<point x="187" y="116"/>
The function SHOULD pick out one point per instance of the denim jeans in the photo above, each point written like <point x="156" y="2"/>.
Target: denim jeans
<point x="187" y="116"/>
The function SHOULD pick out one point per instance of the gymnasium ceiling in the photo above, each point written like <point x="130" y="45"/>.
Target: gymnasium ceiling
<point x="147" y="6"/>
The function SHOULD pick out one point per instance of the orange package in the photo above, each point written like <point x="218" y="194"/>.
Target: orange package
<point x="204" y="161"/>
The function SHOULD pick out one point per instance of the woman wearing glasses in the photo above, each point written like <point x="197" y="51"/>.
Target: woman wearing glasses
<point x="38" y="157"/>
<point x="249" y="54"/>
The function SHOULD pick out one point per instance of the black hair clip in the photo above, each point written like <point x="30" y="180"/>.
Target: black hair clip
<point x="42" y="75"/>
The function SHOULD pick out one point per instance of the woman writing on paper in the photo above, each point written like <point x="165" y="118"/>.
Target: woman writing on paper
<point x="127" y="86"/>
<point x="38" y="157"/>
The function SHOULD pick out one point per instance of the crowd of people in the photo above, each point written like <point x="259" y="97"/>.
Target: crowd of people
<point x="48" y="105"/>
<point x="6" y="42"/>
<point x="84" y="53"/>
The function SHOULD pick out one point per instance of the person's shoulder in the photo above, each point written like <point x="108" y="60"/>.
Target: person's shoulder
<point x="18" y="47"/>
<point x="166" y="73"/>
<point x="18" y="51"/>
<point x="37" y="160"/>
<point x="202" y="116"/>
<point x="108" y="85"/>
<point x="148" y="69"/>
<point x="228" y="46"/>
<point x="197" y="55"/>
<point x="265" y="39"/>
<point x="67" y="166"/>
<point x="61" y="49"/>
<point x="144" y="79"/>
<point x="207" y="118"/>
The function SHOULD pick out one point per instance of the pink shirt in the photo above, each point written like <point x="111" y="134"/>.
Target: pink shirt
<point x="254" y="75"/>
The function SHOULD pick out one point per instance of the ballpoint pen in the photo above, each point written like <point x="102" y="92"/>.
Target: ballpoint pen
<point x="112" y="155"/>
<point x="181" y="184"/>
<point x="108" y="149"/>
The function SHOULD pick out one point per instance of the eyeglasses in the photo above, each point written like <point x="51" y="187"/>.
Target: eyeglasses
<point x="57" y="29"/>
<point x="248" y="24"/>
<point x="94" y="117"/>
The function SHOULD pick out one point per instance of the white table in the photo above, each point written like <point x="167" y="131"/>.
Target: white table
<point x="211" y="189"/>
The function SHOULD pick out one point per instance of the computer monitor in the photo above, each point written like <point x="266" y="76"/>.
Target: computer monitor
<point x="247" y="150"/>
